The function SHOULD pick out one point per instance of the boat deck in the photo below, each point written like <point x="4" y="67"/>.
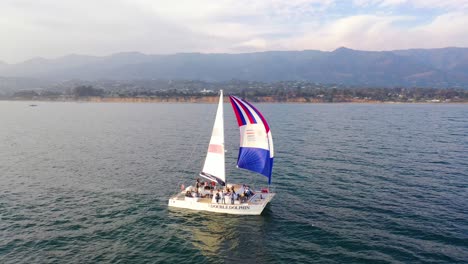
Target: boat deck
<point x="258" y="198"/>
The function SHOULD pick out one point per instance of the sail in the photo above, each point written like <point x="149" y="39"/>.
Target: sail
<point x="256" y="144"/>
<point x="213" y="168"/>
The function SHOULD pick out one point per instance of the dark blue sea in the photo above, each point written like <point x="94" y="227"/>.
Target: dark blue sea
<point x="355" y="183"/>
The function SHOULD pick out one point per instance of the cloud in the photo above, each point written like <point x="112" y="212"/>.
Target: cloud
<point x="426" y="4"/>
<point x="56" y="28"/>
<point x="370" y="32"/>
<point x="53" y="28"/>
<point x="188" y="10"/>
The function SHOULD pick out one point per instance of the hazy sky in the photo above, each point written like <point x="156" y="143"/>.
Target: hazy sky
<point x="53" y="28"/>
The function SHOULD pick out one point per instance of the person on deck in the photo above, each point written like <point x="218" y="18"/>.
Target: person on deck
<point x="217" y="196"/>
<point x="223" y="200"/>
<point x="197" y="186"/>
<point x="233" y="196"/>
<point x="249" y="192"/>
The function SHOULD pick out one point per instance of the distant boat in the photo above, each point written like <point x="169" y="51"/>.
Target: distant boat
<point x="255" y="154"/>
<point x="33" y="105"/>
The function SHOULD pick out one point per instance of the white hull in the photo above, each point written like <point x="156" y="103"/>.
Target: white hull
<point x="254" y="206"/>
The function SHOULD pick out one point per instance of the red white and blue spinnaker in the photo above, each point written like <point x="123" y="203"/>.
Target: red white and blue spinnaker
<point x="256" y="144"/>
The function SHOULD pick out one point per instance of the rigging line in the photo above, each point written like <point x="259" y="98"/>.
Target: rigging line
<point x="206" y="115"/>
<point x="189" y="160"/>
<point x="195" y="144"/>
<point x="206" y="121"/>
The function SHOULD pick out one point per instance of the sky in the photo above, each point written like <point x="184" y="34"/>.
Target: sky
<point x="55" y="28"/>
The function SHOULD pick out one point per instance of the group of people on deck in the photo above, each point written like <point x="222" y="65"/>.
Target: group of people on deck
<point x="226" y="195"/>
<point x="223" y="195"/>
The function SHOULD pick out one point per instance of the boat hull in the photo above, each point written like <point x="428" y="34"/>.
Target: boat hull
<point x="254" y="206"/>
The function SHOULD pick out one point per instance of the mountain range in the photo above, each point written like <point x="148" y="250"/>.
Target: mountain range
<point x="438" y="68"/>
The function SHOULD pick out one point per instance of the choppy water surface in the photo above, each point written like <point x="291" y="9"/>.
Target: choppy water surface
<point x="86" y="183"/>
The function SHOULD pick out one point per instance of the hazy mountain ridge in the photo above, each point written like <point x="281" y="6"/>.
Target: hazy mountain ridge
<point x="446" y="67"/>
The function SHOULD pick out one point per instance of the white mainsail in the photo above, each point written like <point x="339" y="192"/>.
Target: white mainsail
<point x="214" y="168"/>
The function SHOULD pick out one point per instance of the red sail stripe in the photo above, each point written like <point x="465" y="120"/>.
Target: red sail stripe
<point x="267" y="127"/>
<point x="246" y="110"/>
<point x="236" y="111"/>
<point x="215" y="148"/>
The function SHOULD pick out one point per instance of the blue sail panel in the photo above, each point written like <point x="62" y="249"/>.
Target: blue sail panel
<point x="257" y="160"/>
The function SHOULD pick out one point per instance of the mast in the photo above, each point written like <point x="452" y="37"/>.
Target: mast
<point x="214" y="167"/>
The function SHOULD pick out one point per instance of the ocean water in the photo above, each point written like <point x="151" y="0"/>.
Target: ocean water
<point x="355" y="183"/>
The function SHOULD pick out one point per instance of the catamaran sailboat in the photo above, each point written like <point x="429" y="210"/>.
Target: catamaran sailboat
<point x="255" y="154"/>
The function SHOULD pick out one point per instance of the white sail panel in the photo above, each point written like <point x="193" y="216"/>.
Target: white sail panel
<point x="253" y="136"/>
<point x="270" y="144"/>
<point x="214" y="168"/>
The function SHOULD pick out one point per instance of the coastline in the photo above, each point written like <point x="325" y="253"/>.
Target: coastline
<point x="213" y="100"/>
